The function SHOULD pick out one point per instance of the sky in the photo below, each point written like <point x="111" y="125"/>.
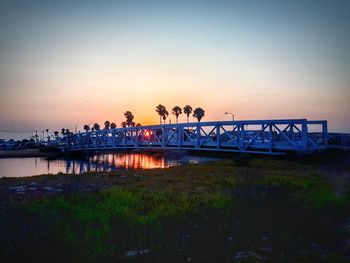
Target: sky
<point x="70" y="63"/>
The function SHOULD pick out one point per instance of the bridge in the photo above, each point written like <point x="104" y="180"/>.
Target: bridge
<point x="245" y="136"/>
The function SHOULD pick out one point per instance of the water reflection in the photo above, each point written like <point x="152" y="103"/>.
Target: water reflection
<point x="19" y="167"/>
<point x="114" y="162"/>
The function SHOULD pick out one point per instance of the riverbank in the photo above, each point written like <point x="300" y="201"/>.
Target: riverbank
<point x="241" y="210"/>
<point x="27" y="153"/>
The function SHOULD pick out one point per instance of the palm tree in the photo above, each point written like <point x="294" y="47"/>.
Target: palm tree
<point x="107" y="124"/>
<point x="56" y="133"/>
<point x="86" y="127"/>
<point x="113" y="125"/>
<point x="67" y="131"/>
<point x="165" y="114"/>
<point x="47" y="134"/>
<point x="188" y="111"/>
<point x="133" y="124"/>
<point x="63" y="131"/>
<point x="123" y="124"/>
<point x="198" y="113"/>
<point x="160" y="109"/>
<point x="177" y="111"/>
<point x="129" y="117"/>
<point x="96" y="126"/>
<point x="138" y="124"/>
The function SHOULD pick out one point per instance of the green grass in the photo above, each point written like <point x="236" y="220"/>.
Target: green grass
<point x="114" y="221"/>
<point x="285" y="200"/>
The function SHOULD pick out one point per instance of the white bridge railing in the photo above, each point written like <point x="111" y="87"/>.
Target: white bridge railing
<point x="251" y="136"/>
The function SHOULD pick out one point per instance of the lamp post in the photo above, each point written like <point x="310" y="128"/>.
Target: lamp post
<point x="233" y="116"/>
<point x="233" y="119"/>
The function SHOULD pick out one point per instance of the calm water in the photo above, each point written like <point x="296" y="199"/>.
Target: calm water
<point x="18" y="167"/>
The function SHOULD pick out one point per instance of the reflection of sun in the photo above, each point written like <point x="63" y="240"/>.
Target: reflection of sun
<point x="138" y="160"/>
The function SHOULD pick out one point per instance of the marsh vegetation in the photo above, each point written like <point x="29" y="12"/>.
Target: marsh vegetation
<point x="240" y="210"/>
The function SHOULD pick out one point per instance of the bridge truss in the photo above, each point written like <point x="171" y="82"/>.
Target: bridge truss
<point x="250" y="136"/>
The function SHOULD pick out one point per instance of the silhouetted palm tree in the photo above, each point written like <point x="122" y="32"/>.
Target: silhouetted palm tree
<point x="96" y="126"/>
<point x="107" y="123"/>
<point x="161" y="110"/>
<point x="113" y="125"/>
<point x="63" y="131"/>
<point x="56" y="133"/>
<point x="138" y="124"/>
<point x="123" y="124"/>
<point x="177" y="111"/>
<point x="132" y="124"/>
<point x="129" y="118"/>
<point x="47" y="134"/>
<point x="165" y="114"/>
<point x="86" y="127"/>
<point x="198" y="113"/>
<point x="188" y="111"/>
<point x="67" y="131"/>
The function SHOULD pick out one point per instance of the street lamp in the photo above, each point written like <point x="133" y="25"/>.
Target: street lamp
<point x="233" y="116"/>
<point x="233" y="119"/>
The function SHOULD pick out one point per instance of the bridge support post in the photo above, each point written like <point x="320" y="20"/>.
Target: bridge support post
<point x="325" y="133"/>
<point x="304" y="134"/>
<point x="124" y="137"/>
<point x="198" y="131"/>
<point x="182" y="136"/>
<point x="217" y="136"/>
<point x="114" y="139"/>
<point x="270" y="137"/>
<point x="241" y="136"/>
<point x="104" y="134"/>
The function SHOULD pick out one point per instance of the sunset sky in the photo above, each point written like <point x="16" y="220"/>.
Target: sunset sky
<point x="64" y="63"/>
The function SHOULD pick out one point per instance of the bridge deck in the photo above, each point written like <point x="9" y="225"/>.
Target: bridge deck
<point x="251" y="136"/>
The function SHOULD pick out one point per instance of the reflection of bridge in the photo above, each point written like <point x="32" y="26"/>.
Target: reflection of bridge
<point x="113" y="162"/>
<point x="251" y="136"/>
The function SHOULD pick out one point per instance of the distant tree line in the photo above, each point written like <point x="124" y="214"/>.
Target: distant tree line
<point x="197" y="113"/>
<point x="129" y="117"/>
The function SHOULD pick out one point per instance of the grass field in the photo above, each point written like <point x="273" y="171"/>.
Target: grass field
<point x="239" y="210"/>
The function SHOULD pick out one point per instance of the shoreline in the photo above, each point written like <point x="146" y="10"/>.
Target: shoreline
<point x="26" y="153"/>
